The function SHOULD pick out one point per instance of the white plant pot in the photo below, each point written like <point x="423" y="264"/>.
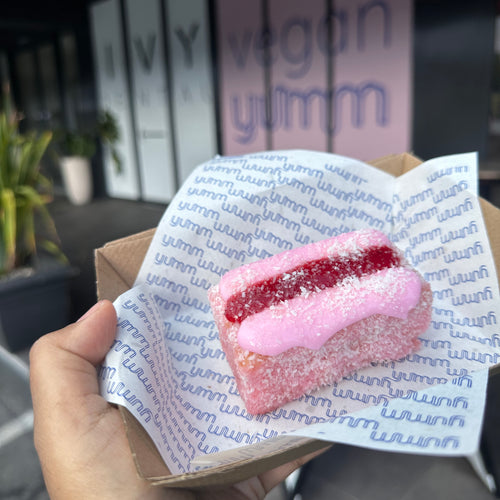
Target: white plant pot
<point x="77" y="177"/>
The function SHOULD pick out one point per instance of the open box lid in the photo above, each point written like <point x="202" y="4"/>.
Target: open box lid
<point x="117" y="264"/>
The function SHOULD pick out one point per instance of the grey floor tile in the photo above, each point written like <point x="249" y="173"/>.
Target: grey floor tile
<point x="20" y="472"/>
<point x="449" y="478"/>
<point x="350" y="473"/>
<point x="276" y="493"/>
<point x="14" y="385"/>
<point x="82" y="229"/>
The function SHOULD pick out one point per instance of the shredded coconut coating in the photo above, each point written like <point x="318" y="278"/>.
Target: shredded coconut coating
<point x="266" y="382"/>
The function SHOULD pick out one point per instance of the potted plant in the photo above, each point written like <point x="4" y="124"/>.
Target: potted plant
<point x="75" y="150"/>
<point x="33" y="287"/>
<point x="109" y="134"/>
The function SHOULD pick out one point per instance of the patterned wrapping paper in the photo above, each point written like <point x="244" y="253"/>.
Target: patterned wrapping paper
<point x="167" y="367"/>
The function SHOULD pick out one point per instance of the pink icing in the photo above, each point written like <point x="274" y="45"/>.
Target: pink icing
<point x="238" y="279"/>
<point x="310" y="320"/>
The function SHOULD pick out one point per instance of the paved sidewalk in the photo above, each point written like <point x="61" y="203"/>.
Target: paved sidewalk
<point x="20" y="473"/>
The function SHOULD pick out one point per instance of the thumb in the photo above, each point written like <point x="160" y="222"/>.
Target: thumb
<point x="62" y="363"/>
<point x="91" y="336"/>
<point x="79" y="437"/>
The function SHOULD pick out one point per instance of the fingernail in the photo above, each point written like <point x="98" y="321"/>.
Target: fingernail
<point x="91" y="311"/>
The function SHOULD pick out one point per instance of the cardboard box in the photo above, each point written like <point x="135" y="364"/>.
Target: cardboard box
<point x="117" y="265"/>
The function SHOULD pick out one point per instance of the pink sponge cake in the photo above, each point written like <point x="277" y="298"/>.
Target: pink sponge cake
<point x="307" y="317"/>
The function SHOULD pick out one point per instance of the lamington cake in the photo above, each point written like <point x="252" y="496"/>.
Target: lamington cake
<point x="308" y="317"/>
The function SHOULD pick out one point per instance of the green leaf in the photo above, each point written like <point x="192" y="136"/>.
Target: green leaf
<point x="25" y="222"/>
<point x="52" y="248"/>
<point x="8" y="229"/>
<point x="32" y="152"/>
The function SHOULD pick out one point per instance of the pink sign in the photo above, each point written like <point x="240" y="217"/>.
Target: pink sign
<point x="241" y="76"/>
<point x="298" y="75"/>
<point x="302" y="76"/>
<point x="372" y="78"/>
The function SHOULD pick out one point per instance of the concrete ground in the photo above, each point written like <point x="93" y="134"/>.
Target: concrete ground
<point x="20" y="474"/>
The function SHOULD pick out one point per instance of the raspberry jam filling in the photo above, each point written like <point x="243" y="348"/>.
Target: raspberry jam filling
<point x="311" y="277"/>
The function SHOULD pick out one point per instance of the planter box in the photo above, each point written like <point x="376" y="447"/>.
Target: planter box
<point x="33" y="305"/>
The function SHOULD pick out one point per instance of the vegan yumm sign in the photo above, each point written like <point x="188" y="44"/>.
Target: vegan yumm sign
<point x="300" y="74"/>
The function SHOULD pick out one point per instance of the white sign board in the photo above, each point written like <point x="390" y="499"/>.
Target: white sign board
<point x="188" y="35"/>
<point x="151" y="100"/>
<point x="114" y="96"/>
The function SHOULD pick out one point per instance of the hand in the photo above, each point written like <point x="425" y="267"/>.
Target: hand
<point x="80" y="438"/>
